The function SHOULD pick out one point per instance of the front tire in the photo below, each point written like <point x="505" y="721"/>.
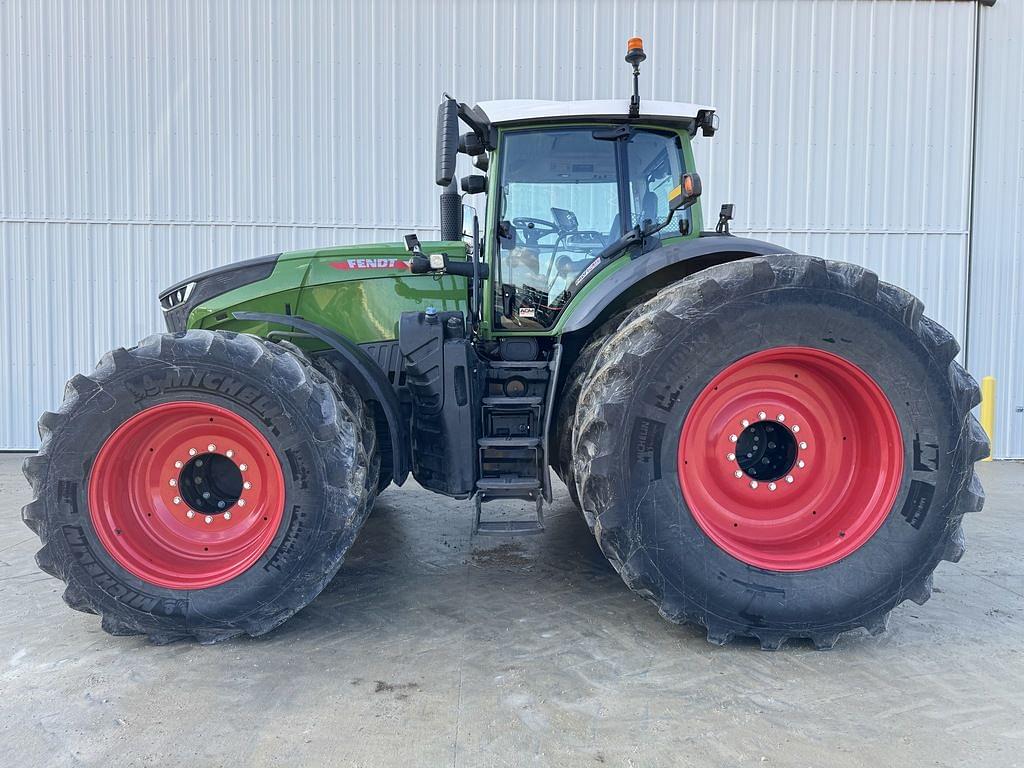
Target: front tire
<point x="829" y="528"/>
<point x="200" y="485"/>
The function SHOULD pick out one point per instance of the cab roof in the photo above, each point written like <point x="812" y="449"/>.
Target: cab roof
<point x="508" y="111"/>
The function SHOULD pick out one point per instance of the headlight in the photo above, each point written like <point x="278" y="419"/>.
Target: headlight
<point x="176" y="296"/>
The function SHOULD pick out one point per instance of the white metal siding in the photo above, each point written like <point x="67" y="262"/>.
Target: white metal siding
<point x="996" y="338"/>
<point x="141" y="141"/>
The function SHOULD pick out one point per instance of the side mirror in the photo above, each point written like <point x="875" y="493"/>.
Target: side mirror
<point x="686" y="194"/>
<point x="447" y="140"/>
<point x="468" y="215"/>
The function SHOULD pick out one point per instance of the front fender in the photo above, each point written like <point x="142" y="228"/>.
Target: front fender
<point x="363" y="373"/>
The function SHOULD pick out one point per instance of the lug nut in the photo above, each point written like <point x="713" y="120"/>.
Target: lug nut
<point x="243" y="467"/>
<point x="800" y="463"/>
<point x="732" y="438"/>
<point x="771" y="486"/>
<point x="762" y="415"/>
<point x="247" y="485"/>
<point x="178" y="465"/>
<point x="737" y="474"/>
<point x="192" y="451"/>
<point x="753" y="483"/>
<point x="190" y="514"/>
<point x="789" y="478"/>
<point x="781" y="417"/>
<point x="172" y="482"/>
<point x="211" y="448"/>
<point x="796" y="427"/>
<point x="803" y="445"/>
<point x="229" y="453"/>
<point x="207" y="519"/>
<point x="730" y="457"/>
<point x="227" y="515"/>
<point x="745" y="423"/>
<point x="177" y="499"/>
<point x="241" y="502"/>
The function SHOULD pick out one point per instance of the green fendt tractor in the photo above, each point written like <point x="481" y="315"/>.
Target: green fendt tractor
<point x="763" y="443"/>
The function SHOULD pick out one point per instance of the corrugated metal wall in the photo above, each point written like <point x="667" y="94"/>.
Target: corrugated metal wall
<point x="996" y="335"/>
<point x="142" y="141"/>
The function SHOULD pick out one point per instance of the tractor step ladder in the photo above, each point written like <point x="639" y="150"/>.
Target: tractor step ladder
<point x="512" y="450"/>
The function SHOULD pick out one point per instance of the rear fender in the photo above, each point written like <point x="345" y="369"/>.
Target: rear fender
<point x="656" y="269"/>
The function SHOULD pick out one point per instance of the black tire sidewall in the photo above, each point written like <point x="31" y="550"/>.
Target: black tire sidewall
<point x="674" y="555"/>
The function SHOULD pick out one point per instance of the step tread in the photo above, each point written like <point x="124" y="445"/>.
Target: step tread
<point x="520" y="527"/>
<point x="509" y="442"/>
<point x="508" y="484"/>
<point x="518" y="364"/>
<point x="513" y="401"/>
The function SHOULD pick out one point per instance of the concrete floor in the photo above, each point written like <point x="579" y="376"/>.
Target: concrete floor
<point x="432" y="648"/>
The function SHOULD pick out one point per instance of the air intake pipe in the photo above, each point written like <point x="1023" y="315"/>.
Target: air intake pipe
<point x="451" y="212"/>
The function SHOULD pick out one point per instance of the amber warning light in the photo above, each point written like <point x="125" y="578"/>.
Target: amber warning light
<point x="634" y="55"/>
<point x="635" y="50"/>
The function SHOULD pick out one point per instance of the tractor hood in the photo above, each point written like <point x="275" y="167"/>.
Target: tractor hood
<point x="359" y="291"/>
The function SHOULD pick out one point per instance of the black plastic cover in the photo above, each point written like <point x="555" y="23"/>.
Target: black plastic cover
<point x="447" y="140"/>
<point x="213" y="283"/>
<point x="444" y="379"/>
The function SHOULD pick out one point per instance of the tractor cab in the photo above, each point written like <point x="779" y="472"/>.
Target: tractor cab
<point x="571" y="186"/>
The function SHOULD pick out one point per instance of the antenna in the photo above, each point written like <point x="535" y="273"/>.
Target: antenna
<point x="634" y="55"/>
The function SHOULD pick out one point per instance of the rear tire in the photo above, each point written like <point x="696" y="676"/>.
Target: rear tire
<point x="120" y="448"/>
<point x="570" y="396"/>
<point x="654" y="453"/>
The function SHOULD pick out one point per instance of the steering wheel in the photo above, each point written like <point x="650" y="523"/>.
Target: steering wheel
<point x="533" y="229"/>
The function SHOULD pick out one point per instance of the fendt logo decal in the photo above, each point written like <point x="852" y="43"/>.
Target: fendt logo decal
<point x="371" y="264"/>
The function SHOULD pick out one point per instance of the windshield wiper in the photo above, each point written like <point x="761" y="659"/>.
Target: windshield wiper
<point x="635" y="235"/>
<point x="614" y="248"/>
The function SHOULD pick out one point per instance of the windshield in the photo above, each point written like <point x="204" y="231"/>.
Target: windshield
<point x="562" y="203"/>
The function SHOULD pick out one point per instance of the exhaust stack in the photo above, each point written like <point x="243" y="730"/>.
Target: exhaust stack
<point x="451" y="212"/>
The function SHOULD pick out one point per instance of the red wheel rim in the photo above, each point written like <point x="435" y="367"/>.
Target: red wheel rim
<point x="843" y="473"/>
<point x="146" y="502"/>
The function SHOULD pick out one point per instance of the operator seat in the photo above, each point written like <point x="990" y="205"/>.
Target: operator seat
<point x="648" y="210"/>
<point x="649" y="207"/>
<point x="615" y="231"/>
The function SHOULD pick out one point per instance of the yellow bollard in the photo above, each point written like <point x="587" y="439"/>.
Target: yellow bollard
<point x="988" y="410"/>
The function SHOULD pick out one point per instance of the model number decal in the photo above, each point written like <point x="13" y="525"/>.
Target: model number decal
<point x="371" y="264"/>
<point x="586" y="272"/>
